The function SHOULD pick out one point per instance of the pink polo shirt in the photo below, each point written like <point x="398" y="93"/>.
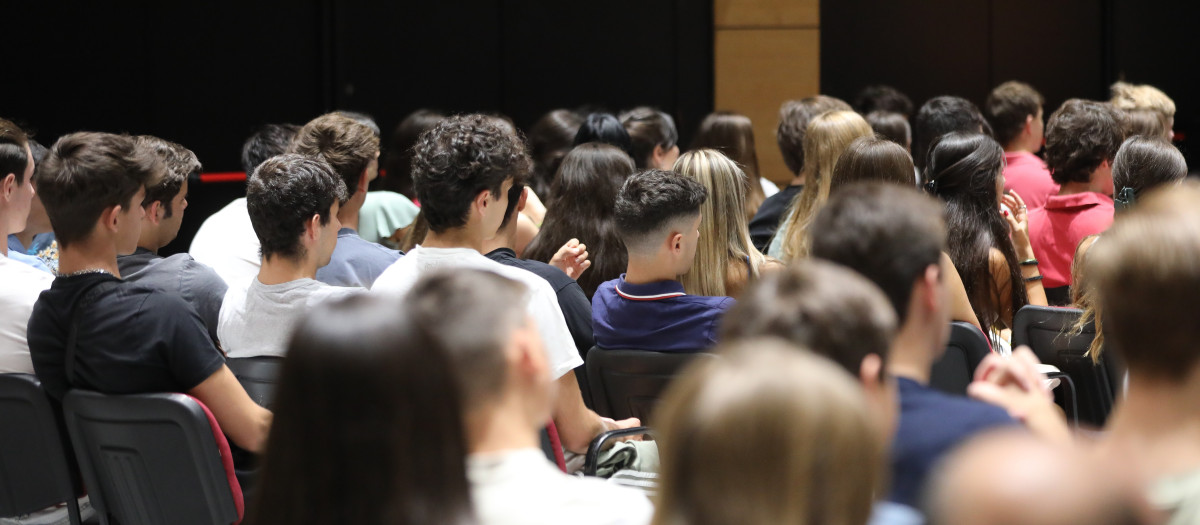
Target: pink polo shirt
<point x="1056" y="229"/>
<point x="1027" y="175"/>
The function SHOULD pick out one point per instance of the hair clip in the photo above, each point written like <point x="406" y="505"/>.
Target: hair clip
<point x="931" y="186"/>
<point x="1125" y="198"/>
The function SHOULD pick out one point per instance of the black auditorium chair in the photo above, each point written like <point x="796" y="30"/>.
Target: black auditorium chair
<point x="1049" y="332"/>
<point x="258" y="375"/>
<point x="153" y="459"/>
<point x="954" y="371"/>
<point x="37" y="468"/>
<point x="627" y="383"/>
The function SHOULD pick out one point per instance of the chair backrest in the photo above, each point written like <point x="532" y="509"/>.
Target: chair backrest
<point x="628" y="383"/>
<point x="258" y="375"/>
<point x="1048" y="331"/>
<point x="36" y="466"/>
<point x="955" y="370"/>
<point x="152" y="458"/>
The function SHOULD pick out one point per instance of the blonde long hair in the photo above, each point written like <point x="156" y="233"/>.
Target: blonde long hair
<point x="826" y="138"/>
<point x="724" y="233"/>
<point x="766" y="410"/>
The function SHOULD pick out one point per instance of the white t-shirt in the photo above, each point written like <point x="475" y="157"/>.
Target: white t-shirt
<point x="257" y="319"/>
<point x="227" y="243"/>
<point x="769" y="188"/>
<point x="542" y="305"/>
<point x="520" y="487"/>
<point x="20" y="286"/>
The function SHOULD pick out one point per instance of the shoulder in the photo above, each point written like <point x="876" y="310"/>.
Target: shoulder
<point x="965" y="413"/>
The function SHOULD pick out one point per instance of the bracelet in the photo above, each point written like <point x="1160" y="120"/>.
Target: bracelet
<point x="1029" y="262"/>
<point x="1033" y="279"/>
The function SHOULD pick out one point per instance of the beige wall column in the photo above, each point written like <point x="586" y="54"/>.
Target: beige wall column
<point x="766" y="52"/>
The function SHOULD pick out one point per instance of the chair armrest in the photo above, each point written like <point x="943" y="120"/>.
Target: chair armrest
<point x="598" y="445"/>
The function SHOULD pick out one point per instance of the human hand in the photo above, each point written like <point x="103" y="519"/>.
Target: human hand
<point x="572" y="259"/>
<point x="1018" y="222"/>
<point x="1015" y="385"/>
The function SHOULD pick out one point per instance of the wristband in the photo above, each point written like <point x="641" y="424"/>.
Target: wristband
<point x="1032" y="279"/>
<point x="1029" y="262"/>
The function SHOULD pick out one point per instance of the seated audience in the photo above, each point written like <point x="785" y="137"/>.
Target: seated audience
<point x="891" y="126"/>
<point x="463" y="169"/>
<point x="654" y="137"/>
<point x="22" y="284"/>
<point x="895" y="237"/>
<point x="382" y="212"/>
<point x="1014" y="110"/>
<point x="942" y="115"/>
<point x="575" y="305"/>
<point x="368" y="425"/>
<point x="585" y="190"/>
<point x="646" y="308"/>
<point x="794" y="117"/>
<point x="293" y="203"/>
<point x="726" y="261"/>
<point x="875" y="159"/>
<point x="550" y="139"/>
<point x="1082" y="139"/>
<point x="605" y="128"/>
<point x="1146" y="276"/>
<point x="826" y="138"/>
<point x="1149" y="111"/>
<point x="768" y="434"/>
<point x="883" y="98"/>
<point x="733" y="135"/>
<point x="990" y="249"/>
<point x="226" y="241"/>
<point x="164" y="204"/>
<point x="128" y="338"/>
<point x="35" y="244"/>
<point x="497" y="354"/>
<point x="352" y="150"/>
<point x="1013" y="477"/>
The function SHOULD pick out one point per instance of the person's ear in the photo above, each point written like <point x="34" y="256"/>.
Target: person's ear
<point x="110" y="217"/>
<point x="929" y="286"/>
<point x="364" y="180"/>
<point x="155" y="212"/>
<point x="9" y="186"/>
<point x="482" y="199"/>
<point x="1029" y="123"/>
<point x="870" y="371"/>
<point x="524" y="198"/>
<point x="312" y="229"/>
<point x="676" y="242"/>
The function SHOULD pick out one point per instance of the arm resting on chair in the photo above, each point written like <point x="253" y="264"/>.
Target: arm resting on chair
<point x="577" y="424"/>
<point x="239" y="416"/>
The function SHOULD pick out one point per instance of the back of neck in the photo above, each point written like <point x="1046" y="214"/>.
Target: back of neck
<point x="82" y="256"/>
<point x="645" y="270"/>
<point x="455" y="238"/>
<point x="278" y="270"/>
<point x="912" y="353"/>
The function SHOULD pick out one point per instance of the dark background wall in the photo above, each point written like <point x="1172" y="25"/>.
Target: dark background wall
<point x="206" y="74"/>
<point x="1064" y="48"/>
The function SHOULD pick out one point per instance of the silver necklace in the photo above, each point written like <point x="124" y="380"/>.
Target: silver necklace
<point x="85" y="272"/>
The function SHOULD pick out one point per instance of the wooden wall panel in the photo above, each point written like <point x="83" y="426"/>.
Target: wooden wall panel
<point x="766" y="13"/>
<point x="755" y="71"/>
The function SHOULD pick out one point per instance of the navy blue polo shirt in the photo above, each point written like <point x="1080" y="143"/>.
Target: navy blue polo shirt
<point x="655" y="316"/>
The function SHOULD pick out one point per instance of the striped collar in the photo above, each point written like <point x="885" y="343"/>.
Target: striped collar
<point x="655" y="291"/>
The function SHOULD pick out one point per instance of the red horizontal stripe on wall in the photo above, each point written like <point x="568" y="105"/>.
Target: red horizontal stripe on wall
<point x="231" y="176"/>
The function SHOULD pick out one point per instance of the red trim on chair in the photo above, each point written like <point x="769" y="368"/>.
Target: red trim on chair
<point x="556" y="444"/>
<point x="235" y="488"/>
<point x="231" y="176"/>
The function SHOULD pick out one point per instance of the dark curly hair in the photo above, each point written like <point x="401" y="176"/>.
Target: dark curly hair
<point x="283" y="195"/>
<point x="794" y="116"/>
<point x="1080" y="136"/>
<point x="460" y="157"/>
<point x="650" y="200"/>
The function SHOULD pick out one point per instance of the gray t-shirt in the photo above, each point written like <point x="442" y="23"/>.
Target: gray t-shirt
<point x="356" y="261"/>
<point x="180" y="275"/>
<point x="258" y="319"/>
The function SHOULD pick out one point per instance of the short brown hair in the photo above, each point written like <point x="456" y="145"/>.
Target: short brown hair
<point x="873" y="159"/>
<point x="487" y="308"/>
<point x="794" y="116"/>
<point x="1080" y="136"/>
<point x="346" y="144"/>
<point x="818" y="305"/>
<point x="1008" y="106"/>
<point x="180" y="163"/>
<point x="647" y="128"/>
<point x="1146" y="275"/>
<point x="85" y="173"/>
<point x="14" y="157"/>
<point x="887" y="233"/>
